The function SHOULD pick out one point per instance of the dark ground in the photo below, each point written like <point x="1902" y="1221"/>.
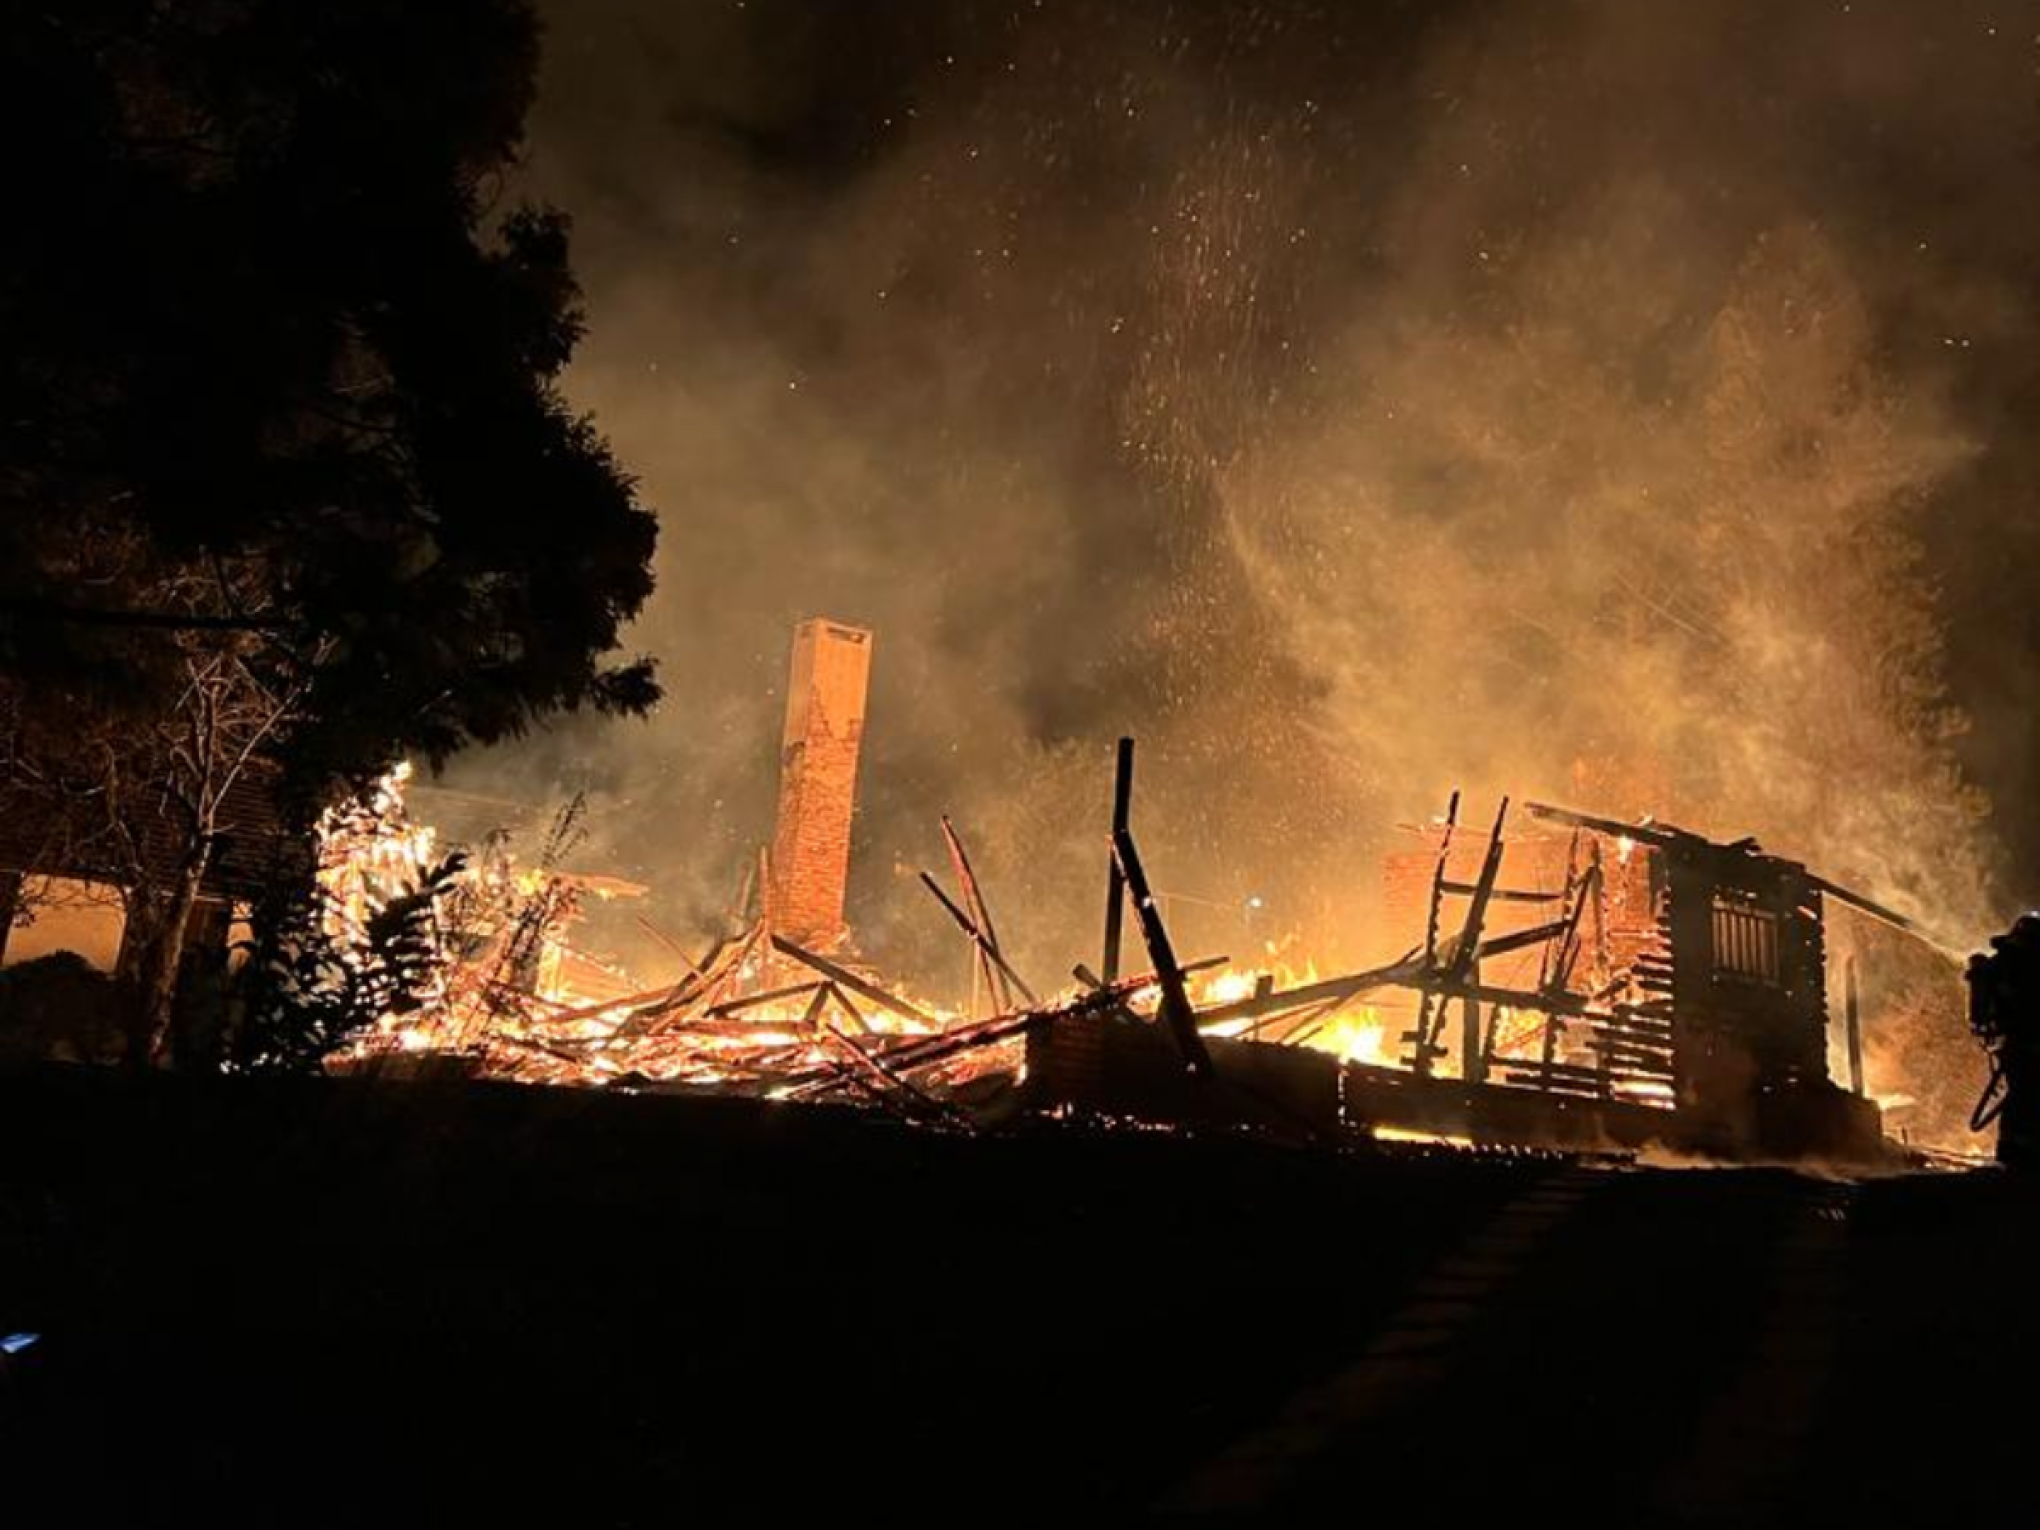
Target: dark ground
<point x="288" y="1302"/>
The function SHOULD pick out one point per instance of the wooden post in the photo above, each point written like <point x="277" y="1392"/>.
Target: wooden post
<point x="1472" y="1054"/>
<point x="1420" y="1038"/>
<point x="991" y="966"/>
<point x="1115" y="886"/>
<point x="1175" y="1010"/>
<point x="1852" y="1018"/>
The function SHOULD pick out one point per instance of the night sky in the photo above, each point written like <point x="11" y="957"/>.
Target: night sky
<point x="1625" y="403"/>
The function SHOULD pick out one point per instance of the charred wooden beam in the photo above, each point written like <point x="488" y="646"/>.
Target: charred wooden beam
<point x="1464" y="963"/>
<point x="1472" y="1050"/>
<point x="850" y="1011"/>
<point x="1665" y="836"/>
<point x="1614" y="828"/>
<point x="925" y="1051"/>
<point x="987" y="933"/>
<point x="1466" y="948"/>
<point x="1628" y="1023"/>
<point x="1423" y="1049"/>
<point x="1628" y="1054"/>
<point x="876" y="1065"/>
<point x="843" y="977"/>
<point x="1282" y="1000"/>
<point x="728" y="968"/>
<point x="1581" y="1074"/>
<point x="1115" y="882"/>
<point x="1528" y="999"/>
<point x="987" y="949"/>
<point x="1522" y="940"/>
<point x="693" y="967"/>
<point x="1175" y="1009"/>
<point x="1503" y="894"/>
<point x="629" y="1001"/>
<point x="1581" y="887"/>
<point x="1875" y="910"/>
<point x="769" y="996"/>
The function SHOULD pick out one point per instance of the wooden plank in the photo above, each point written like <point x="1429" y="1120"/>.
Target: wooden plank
<point x="981" y="915"/>
<point x="1520" y="940"/>
<point x="850" y="1011"/>
<point x="1663" y="1044"/>
<point x="876" y="1065"/>
<point x="1573" y="1072"/>
<point x="1647" y="834"/>
<point x="630" y="1001"/>
<point x="1638" y="1026"/>
<point x="752" y="1001"/>
<point x="1574" y="1006"/>
<point x="843" y="977"/>
<point x="925" y="1051"/>
<point x="988" y="952"/>
<point x="1503" y="894"/>
<point x="725" y="973"/>
<point x="1631" y="1056"/>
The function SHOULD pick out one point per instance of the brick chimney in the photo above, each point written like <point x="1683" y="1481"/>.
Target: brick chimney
<point x="818" y="782"/>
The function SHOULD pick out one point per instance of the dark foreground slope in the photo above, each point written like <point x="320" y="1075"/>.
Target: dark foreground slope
<point x="296" y="1301"/>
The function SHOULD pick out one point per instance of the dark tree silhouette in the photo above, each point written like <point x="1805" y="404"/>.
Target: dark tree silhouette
<point x="279" y="388"/>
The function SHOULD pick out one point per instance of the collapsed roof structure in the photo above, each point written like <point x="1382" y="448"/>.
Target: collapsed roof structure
<point x="1708" y="1035"/>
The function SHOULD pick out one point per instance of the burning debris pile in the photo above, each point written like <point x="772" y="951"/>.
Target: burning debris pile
<point x="1584" y="982"/>
<point x="507" y="988"/>
<point x="513" y="997"/>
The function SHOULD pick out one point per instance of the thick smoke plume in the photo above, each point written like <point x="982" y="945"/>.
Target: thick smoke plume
<point x="1607" y="402"/>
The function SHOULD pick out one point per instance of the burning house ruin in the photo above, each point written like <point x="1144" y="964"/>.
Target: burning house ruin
<point x="1676" y="996"/>
<point x="1566" y="981"/>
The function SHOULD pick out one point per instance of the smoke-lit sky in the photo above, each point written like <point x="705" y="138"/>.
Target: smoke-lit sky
<point x="1627" y="402"/>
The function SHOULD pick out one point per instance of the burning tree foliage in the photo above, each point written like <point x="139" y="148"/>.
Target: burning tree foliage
<point x="396" y="944"/>
<point x="363" y="945"/>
